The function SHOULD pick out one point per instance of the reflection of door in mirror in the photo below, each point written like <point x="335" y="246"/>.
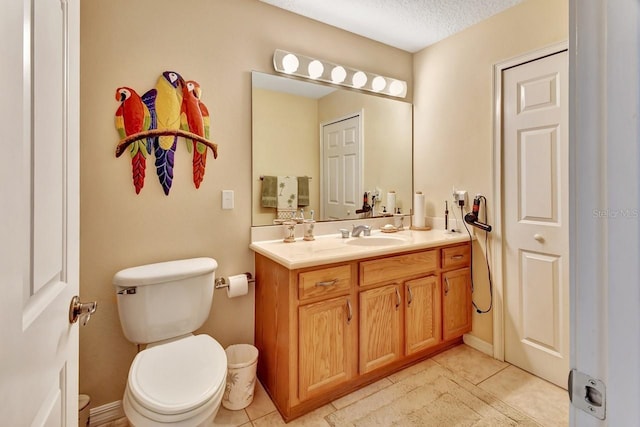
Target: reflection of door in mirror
<point x="341" y="167"/>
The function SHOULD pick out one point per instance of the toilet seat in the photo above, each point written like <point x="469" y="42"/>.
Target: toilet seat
<point x="177" y="380"/>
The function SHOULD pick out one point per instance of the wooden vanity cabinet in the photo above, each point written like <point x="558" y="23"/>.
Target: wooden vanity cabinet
<point x="326" y="340"/>
<point x="325" y="331"/>
<point x="389" y="317"/>
<point x="423" y="314"/>
<point x="456" y="291"/>
<point x="305" y="331"/>
<point x="380" y="322"/>
<point x="456" y="297"/>
<point x="395" y="313"/>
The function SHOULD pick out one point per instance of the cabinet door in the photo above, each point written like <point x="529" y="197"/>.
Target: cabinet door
<point x="327" y="345"/>
<point x="379" y="327"/>
<point x="423" y="327"/>
<point x="456" y="306"/>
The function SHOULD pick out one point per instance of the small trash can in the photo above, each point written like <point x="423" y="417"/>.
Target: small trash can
<point x="83" y="410"/>
<point x="242" y="361"/>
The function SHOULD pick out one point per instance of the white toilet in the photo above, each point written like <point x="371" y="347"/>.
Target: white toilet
<point x="179" y="379"/>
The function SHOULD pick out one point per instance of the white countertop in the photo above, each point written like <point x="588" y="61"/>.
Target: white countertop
<point x="331" y="248"/>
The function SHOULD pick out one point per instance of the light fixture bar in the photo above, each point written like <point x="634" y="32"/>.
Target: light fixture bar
<point x="316" y="69"/>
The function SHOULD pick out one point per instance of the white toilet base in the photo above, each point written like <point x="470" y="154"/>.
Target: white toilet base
<point x="202" y="416"/>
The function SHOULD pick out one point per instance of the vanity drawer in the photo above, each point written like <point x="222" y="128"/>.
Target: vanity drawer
<point x="397" y="267"/>
<point x="324" y="282"/>
<point x="457" y="256"/>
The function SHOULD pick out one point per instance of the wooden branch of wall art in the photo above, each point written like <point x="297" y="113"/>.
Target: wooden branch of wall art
<point x="124" y="143"/>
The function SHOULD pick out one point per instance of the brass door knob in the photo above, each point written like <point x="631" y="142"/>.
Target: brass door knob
<point x="82" y="310"/>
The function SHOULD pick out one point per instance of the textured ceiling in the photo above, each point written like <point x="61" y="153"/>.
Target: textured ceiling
<point x="409" y="25"/>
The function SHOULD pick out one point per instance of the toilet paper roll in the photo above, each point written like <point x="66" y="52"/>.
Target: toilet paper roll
<point x="391" y="202"/>
<point x="238" y="285"/>
<point x="418" y="209"/>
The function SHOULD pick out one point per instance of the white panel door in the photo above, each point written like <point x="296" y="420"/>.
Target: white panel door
<point x="536" y="233"/>
<point x="39" y="218"/>
<point x="341" y="169"/>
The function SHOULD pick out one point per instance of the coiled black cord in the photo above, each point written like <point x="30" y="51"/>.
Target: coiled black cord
<point x="486" y="240"/>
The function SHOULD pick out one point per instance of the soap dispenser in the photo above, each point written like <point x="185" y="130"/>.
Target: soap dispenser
<point x="398" y="220"/>
<point x="308" y="228"/>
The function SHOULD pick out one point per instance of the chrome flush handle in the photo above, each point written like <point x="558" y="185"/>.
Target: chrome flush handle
<point x="82" y="310"/>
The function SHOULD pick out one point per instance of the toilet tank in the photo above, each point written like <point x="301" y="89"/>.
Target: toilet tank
<point x="164" y="300"/>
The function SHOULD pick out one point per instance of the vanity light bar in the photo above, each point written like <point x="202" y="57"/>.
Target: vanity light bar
<point x="315" y="69"/>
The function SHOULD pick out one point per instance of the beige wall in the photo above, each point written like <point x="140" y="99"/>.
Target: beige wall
<point x="218" y="43"/>
<point x="453" y="110"/>
<point x="285" y="142"/>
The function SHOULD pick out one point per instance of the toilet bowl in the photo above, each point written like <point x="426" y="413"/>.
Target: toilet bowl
<point x="180" y="383"/>
<point x="179" y="379"/>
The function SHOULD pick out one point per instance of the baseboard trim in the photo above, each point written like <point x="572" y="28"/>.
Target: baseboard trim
<point x="105" y="413"/>
<point x="478" y="344"/>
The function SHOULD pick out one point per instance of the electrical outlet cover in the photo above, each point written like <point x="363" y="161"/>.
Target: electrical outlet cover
<point x="460" y="196"/>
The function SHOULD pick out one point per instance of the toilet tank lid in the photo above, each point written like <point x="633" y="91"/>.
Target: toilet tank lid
<point x="164" y="272"/>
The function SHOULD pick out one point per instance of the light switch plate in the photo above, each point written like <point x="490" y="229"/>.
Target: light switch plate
<point x="227" y="199"/>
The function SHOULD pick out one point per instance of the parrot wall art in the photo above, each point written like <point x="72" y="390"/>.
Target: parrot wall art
<point x="133" y="117"/>
<point x="155" y="121"/>
<point x="195" y="118"/>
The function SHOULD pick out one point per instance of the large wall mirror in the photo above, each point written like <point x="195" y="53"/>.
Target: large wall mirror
<point x="341" y="143"/>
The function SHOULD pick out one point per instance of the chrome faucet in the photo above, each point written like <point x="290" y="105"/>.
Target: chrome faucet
<point x="357" y="229"/>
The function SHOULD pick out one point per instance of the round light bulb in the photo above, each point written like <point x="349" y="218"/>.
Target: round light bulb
<point x="315" y="69"/>
<point x="338" y="74"/>
<point x="359" y="79"/>
<point x="396" y="88"/>
<point x="378" y="83"/>
<point x="290" y="63"/>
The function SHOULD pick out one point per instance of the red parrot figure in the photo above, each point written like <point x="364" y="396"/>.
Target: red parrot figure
<point x="133" y="117"/>
<point x="195" y="118"/>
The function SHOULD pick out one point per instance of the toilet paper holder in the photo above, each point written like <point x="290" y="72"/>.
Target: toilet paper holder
<point x="221" y="282"/>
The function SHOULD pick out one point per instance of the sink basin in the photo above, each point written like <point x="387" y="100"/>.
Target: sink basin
<point x="376" y="241"/>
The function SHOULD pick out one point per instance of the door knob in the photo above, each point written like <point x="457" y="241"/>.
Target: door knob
<point x="82" y="310"/>
<point x="539" y="237"/>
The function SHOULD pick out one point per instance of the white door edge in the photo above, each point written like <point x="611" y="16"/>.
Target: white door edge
<point x="496" y="241"/>
<point x="604" y="65"/>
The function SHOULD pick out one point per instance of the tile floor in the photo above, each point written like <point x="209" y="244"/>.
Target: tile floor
<point x="460" y="387"/>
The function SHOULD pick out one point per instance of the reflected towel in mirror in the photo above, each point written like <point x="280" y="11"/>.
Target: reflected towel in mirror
<point x="303" y="191"/>
<point x="269" y="196"/>
<point x="276" y="189"/>
<point x="287" y="192"/>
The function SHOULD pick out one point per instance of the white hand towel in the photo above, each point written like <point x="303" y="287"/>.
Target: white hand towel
<point x="287" y="192"/>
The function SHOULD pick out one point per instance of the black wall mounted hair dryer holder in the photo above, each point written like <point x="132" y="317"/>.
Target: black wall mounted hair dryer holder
<point x="472" y="217"/>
